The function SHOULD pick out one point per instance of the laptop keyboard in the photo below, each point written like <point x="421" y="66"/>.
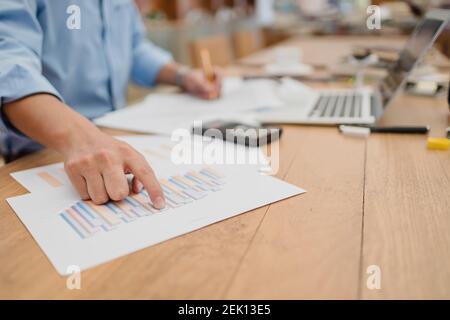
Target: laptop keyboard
<point x="348" y="105"/>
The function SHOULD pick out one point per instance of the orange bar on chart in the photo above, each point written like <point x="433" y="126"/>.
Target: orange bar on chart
<point x="144" y="202"/>
<point x="166" y="183"/>
<point x="51" y="180"/>
<point x="81" y="221"/>
<point x="187" y="182"/>
<point x="126" y="208"/>
<point x="196" y="175"/>
<point x="104" y="213"/>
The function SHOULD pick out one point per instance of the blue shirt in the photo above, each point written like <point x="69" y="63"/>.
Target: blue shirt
<point x="88" y="68"/>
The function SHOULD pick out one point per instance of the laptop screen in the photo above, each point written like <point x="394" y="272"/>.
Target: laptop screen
<point x="415" y="48"/>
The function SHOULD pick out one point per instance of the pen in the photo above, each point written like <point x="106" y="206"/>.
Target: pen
<point x="208" y="69"/>
<point x="396" y="129"/>
<point x="364" y="131"/>
<point x="401" y="129"/>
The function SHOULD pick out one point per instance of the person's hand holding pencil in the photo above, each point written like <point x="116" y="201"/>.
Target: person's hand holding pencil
<point x="196" y="83"/>
<point x="209" y="73"/>
<point x="205" y="83"/>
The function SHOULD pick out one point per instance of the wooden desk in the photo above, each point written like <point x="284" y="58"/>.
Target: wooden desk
<point x="382" y="201"/>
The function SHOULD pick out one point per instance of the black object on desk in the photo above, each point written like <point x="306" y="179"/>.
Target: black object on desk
<point x="238" y="133"/>
<point x="448" y="96"/>
<point x="400" y="129"/>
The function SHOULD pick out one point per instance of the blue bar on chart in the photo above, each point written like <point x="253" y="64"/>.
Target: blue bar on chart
<point x="87" y="219"/>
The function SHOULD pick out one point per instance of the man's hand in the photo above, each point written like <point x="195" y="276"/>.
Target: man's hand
<point x="195" y="82"/>
<point x="95" y="162"/>
<point x="97" y="169"/>
<point x="192" y="81"/>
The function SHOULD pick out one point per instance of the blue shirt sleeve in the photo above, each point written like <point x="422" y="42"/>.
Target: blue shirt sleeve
<point x="20" y="52"/>
<point x="148" y="59"/>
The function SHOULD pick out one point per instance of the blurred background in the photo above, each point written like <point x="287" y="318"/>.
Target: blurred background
<point x="232" y="29"/>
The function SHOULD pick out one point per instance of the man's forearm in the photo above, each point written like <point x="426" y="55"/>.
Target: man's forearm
<point x="95" y="163"/>
<point x="191" y="80"/>
<point x="169" y="74"/>
<point x="47" y="120"/>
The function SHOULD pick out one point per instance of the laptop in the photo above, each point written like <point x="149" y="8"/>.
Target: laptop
<point x="365" y="105"/>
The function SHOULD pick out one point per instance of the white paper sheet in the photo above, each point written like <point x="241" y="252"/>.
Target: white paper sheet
<point x="42" y="213"/>
<point x="164" y="113"/>
<point x="158" y="151"/>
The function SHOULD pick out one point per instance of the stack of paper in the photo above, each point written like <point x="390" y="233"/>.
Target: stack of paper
<point x="72" y="232"/>
<point x="248" y="101"/>
<point x="164" y="113"/>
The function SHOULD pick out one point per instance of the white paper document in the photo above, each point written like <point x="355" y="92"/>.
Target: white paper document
<point x="164" y="113"/>
<point x="78" y="233"/>
<point x="251" y="102"/>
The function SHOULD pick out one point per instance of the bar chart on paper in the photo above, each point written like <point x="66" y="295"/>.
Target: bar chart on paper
<point x="87" y="219"/>
<point x="71" y="231"/>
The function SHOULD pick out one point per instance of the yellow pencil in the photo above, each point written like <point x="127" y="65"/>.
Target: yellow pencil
<point x="208" y="69"/>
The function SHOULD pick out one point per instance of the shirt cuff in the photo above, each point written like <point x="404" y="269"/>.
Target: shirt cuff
<point x="148" y="61"/>
<point x="19" y="82"/>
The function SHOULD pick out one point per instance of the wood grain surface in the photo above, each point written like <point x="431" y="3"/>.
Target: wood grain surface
<point x="382" y="201"/>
